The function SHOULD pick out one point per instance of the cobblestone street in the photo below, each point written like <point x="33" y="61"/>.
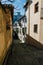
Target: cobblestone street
<point x="23" y="54"/>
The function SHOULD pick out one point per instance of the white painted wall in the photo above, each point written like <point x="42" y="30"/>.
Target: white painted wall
<point x="41" y="8"/>
<point x="21" y="36"/>
<point x="41" y="31"/>
<point x="35" y="19"/>
<point x="41" y="23"/>
<point x="28" y="22"/>
<point x="41" y="3"/>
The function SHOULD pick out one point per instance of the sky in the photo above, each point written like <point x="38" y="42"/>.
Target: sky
<point x="18" y="4"/>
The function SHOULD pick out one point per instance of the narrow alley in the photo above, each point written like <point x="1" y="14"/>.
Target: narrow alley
<point x="21" y="32"/>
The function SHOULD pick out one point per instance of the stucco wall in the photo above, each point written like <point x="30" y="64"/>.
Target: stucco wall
<point x="41" y="23"/>
<point x="41" y="31"/>
<point x="5" y="36"/>
<point x="41" y="9"/>
<point x="28" y="21"/>
<point x="41" y="3"/>
<point x="35" y="19"/>
<point x="2" y="38"/>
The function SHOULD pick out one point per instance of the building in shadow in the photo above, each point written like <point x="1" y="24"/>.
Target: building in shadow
<point x="6" y="18"/>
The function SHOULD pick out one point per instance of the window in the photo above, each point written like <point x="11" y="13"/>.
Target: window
<point x="36" y="7"/>
<point x="25" y="19"/>
<point x="17" y="30"/>
<point x="7" y="26"/>
<point x="20" y="31"/>
<point x="35" y="28"/>
<point x="24" y="31"/>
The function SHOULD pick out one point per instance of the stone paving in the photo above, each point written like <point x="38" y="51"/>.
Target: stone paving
<point x="23" y="54"/>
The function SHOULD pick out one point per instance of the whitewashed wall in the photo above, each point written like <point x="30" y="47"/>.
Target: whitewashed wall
<point x="28" y="21"/>
<point x="35" y="19"/>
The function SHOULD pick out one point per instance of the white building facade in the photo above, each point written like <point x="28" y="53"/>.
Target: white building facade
<point x="27" y="13"/>
<point x="27" y="16"/>
<point x="36" y="20"/>
<point x="21" y="27"/>
<point x="34" y="14"/>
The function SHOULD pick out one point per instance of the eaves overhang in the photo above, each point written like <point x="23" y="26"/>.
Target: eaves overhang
<point x="27" y="2"/>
